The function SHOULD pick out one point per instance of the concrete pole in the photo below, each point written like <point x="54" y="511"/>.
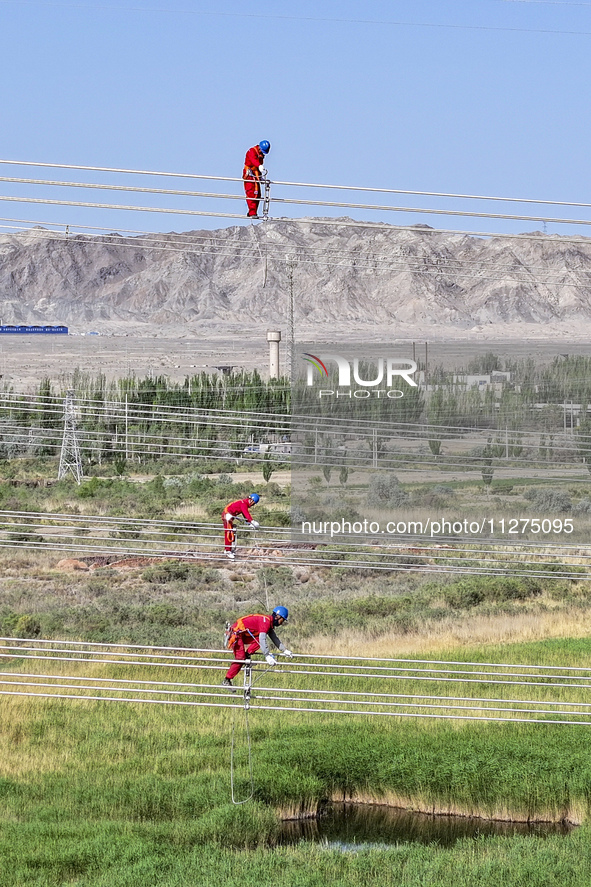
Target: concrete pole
<point x="273" y="338"/>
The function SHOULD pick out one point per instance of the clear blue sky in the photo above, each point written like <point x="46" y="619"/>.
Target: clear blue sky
<point x="476" y="96"/>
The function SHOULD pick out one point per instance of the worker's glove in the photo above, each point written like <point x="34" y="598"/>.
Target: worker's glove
<point x="270" y="659"/>
<point x="262" y="171"/>
<point x="255" y="524"/>
<point x="287" y="653"/>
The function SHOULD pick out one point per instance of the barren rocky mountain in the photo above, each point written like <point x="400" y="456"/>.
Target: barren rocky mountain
<point x="340" y="274"/>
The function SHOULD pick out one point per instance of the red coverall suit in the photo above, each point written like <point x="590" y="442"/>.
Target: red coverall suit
<point x="229" y="513"/>
<point x="244" y="639"/>
<point x="252" y="178"/>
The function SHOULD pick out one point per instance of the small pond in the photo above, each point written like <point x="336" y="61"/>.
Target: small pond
<point x="361" y="825"/>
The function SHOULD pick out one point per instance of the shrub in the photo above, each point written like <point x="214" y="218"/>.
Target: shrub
<point x="200" y="576"/>
<point x="430" y="497"/>
<point x="549" y="499"/>
<point x="165" y="614"/>
<point x="468" y="593"/>
<point x="19" y="625"/>
<point x="224" y="480"/>
<point x="463" y="596"/>
<point x="583" y="507"/>
<point x="28" y="626"/>
<point x="276" y="577"/>
<point x="296" y="516"/>
<point x="31" y="538"/>
<point x="99" y="585"/>
<point x="168" y="571"/>
<point x="90" y="488"/>
<point x="273" y="489"/>
<point x="503" y="486"/>
<point x="273" y="518"/>
<point x="215" y="507"/>
<point x="385" y="489"/>
<point x="174" y="484"/>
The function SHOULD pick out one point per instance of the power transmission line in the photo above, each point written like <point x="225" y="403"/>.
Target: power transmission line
<point x="314" y="19"/>
<point x="289" y="201"/>
<point x="390" y="687"/>
<point x="93" y="535"/>
<point x="325" y="186"/>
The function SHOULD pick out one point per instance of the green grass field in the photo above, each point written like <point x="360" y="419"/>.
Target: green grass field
<point x="132" y="795"/>
<point x="98" y="793"/>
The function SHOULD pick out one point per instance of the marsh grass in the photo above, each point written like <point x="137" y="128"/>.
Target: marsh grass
<point x="129" y="794"/>
<point x="116" y="855"/>
<point x="536" y="771"/>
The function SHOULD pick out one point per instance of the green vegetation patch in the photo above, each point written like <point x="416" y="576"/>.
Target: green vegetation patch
<point x="95" y="793"/>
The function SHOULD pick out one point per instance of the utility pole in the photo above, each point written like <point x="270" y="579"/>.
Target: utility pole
<point x="291" y="260"/>
<point x="70" y="455"/>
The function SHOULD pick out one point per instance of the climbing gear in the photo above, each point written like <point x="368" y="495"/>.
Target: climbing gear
<point x="281" y="611"/>
<point x="266" y="197"/>
<point x="265" y="146"/>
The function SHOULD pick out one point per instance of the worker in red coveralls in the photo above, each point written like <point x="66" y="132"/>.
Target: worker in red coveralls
<point x="250" y="634"/>
<point x="254" y="171"/>
<point x="229" y="515"/>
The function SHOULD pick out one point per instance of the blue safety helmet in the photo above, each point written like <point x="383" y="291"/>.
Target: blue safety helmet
<point x="254" y="497"/>
<point x="265" y="146"/>
<point x="281" y="611"/>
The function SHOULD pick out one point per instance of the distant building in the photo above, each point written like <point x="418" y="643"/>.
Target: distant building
<point x="7" y="328"/>
<point x="496" y="380"/>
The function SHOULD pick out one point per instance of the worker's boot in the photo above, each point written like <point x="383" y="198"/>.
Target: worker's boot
<point x="227" y="683"/>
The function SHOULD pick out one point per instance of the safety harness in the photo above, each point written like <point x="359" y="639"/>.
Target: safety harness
<point x="233" y="632"/>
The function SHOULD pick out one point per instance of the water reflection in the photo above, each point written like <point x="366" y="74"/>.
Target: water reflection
<point x="363" y="824"/>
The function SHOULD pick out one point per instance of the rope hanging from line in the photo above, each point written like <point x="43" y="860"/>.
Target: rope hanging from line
<point x="247" y="673"/>
<point x="262" y="258"/>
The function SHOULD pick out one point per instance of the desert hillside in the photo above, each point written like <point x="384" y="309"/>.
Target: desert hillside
<point x="340" y="276"/>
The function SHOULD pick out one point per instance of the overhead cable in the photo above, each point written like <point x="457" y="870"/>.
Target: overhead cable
<point x="337" y="223"/>
<point x="333" y="662"/>
<point x="259" y="707"/>
<point x="317" y="697"/>
<point x="500" y="559"/>
<point x="374" y="190"/>
<point x="274" y="200"/>
<point x="144" y="209"/>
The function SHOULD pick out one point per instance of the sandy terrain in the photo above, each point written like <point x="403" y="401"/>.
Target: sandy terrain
<point x="177" y="353"/>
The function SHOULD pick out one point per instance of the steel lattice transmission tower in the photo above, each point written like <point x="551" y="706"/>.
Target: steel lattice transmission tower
<point x="70" y="455"/>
